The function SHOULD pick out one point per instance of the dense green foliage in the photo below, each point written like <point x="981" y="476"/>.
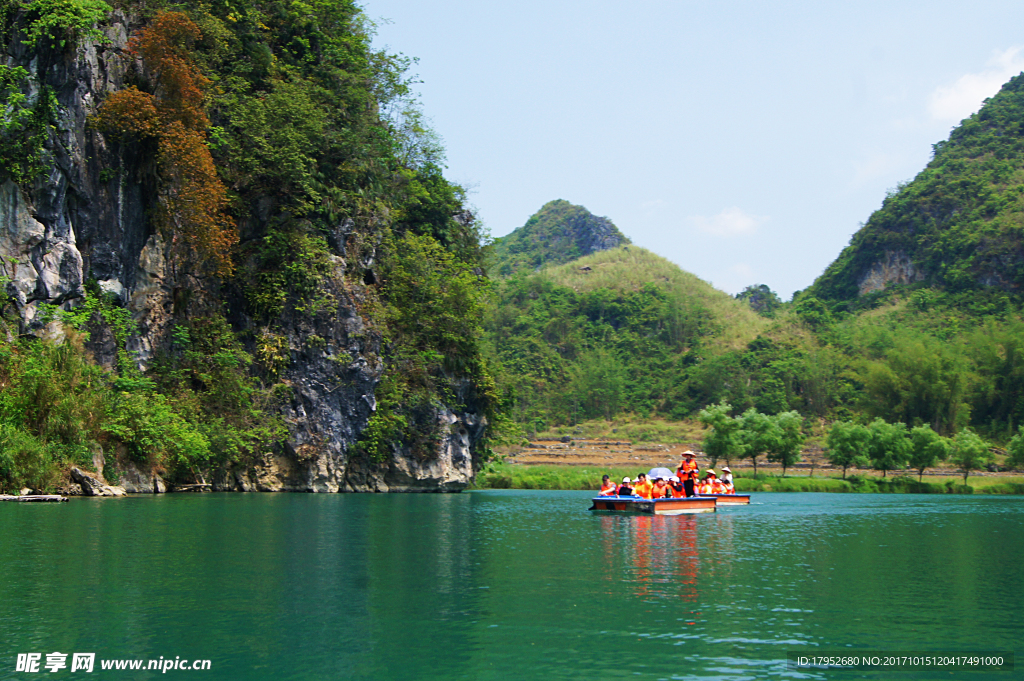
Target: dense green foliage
<point x="761" y="299"/>
<point x="969" y="452"/>
<point x="294" y="173"/>
<point x="196" y="408"/>
<point x="847" y="443"/>
<point x="24" y="125"/>
<point x="619" y="336"/>
<point x="927" y="448"/>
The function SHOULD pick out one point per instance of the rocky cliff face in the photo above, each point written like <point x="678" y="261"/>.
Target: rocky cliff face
<point x="895" y="267"/>
<point x="87" y="219"/>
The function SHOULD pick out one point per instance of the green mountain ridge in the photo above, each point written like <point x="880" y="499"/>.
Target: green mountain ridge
<point x="958" y="225"/>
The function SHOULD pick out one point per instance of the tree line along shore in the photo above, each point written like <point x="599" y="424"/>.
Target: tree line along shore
<point x="503" y="475"/>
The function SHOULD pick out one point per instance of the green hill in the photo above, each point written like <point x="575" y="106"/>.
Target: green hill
<point x="557" y="233"/>
<point x="958" y="225"/>
<point x="617" y="331"/>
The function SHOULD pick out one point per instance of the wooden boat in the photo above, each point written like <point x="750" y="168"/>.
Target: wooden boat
<point x="638" y="506"/>
<point x="730" y="499"/>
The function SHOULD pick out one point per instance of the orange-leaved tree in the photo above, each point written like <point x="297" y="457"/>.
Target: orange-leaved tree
<point x="192" y="206"/>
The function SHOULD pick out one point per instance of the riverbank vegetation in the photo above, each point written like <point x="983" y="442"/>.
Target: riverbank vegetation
<point x="501" y="475"/>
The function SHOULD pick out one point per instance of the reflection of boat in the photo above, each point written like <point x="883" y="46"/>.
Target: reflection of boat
<point x="638" y="506"/>
<point x="730" y="499"/>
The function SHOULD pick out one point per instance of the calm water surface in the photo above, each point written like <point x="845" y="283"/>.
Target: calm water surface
<point x="502" y="584"/>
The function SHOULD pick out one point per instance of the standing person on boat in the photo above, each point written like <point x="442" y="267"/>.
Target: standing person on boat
<point x="688" y="464"/>
<point x="690" y="484"/>
<point x="643" y="489"/>
<point x="626" y="489"/>
<point x="608" y="488"/>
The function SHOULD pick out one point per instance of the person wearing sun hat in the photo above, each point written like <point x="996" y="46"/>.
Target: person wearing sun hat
<point x="626" y="489"/>
<point x="689" y="463"/>
<point x="727" y="480"/>
<point x="707" y="486"/>
<point x="690" y="484"/>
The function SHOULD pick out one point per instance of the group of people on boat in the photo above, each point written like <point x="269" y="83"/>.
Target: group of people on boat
<point x="687" y="482"/>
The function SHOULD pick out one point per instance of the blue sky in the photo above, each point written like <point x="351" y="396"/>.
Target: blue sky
<point x="744" y="141"/>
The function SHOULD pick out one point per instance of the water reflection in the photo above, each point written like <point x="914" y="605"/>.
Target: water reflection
<point x="652" y="556"/>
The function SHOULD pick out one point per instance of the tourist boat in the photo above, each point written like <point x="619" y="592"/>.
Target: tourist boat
<point x="638" y="506"/>
<point x="730" y="499"/>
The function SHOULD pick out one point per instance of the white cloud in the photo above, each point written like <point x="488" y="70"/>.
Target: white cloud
<point x="730" y="222"/>
<point x="958" y="101"/>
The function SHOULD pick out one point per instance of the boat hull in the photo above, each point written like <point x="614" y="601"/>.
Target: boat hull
<point x="730" y="499"/>
<point x="637" y="506"/>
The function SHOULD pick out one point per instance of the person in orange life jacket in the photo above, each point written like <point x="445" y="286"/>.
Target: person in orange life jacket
<point x="676" y="487"/>
<point x="706" y="483"/>
<point x="688" y="464"/>
<point x="690" y="484"/>
<point x="608" y="487"/>
<point x="712" y="484"/>
<point x="625" y="489"/>
<point x="661" y="489"/>
<point x="642" y="488"/>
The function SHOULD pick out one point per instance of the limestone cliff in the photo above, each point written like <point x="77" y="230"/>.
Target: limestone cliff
<point x="90" y="218"/>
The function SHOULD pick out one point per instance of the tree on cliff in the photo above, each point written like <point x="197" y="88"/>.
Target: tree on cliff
<point x="761" y="299"/>
<point x="193" y="202"/>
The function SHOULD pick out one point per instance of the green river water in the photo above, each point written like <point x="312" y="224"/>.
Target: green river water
<point x="506" y="584"/>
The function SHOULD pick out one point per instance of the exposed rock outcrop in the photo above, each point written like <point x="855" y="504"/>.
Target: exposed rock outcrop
<point x="895" y="267"/>
<point x="92" y="487"/>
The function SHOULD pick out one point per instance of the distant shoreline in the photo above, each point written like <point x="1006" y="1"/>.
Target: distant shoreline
<point x="502" y="475"/>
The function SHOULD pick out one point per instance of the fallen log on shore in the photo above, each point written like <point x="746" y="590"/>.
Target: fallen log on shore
<point x="33" y="497"/>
